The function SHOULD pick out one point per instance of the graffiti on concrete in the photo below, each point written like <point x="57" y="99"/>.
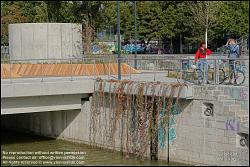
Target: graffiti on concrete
<point x="238" y="93"/>
<point x="233" y="124"/>
<point x="243" y="93"/>
<point x="162" y="136"/>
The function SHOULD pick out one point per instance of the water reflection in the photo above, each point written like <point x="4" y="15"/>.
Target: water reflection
<point x="13" y="141"/>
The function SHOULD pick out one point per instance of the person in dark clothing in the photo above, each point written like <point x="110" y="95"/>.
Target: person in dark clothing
<point x="234" y="53"/>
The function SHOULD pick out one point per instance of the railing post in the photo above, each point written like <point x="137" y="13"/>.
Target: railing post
<point x="10" y="71"/>
<point x="157" y="64"/>
<point x="154" y="69"/>
<point x="94" y="68"/>
<point x="215" y="71"/>
<point x="82" y="63"/>
<point x="204" y="73"/>
<point x="42" y="71"/>
<point x="71" y="70"/>
<point x="129" y="69"/>
<point x="85" y="64"/>
<point x="109" y="68"/>
<point x="181" y="69"/>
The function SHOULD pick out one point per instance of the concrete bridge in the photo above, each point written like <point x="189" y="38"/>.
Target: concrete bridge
<point x="27" y="95"/>
<point x="59" y="107"/>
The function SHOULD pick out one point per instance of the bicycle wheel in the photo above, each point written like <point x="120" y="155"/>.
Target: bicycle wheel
<point x="222" y="76"/>
<point x="211" y="75"/>
<point x="239" y="77"/>
<point x="194" y="76"/>
<point x="185" y="76"/>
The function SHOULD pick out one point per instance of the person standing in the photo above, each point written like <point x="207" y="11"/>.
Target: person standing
<point x="234" y="53"/>
<point x="201" y="55"/>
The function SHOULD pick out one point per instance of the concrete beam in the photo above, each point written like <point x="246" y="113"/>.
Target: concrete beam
<point x="46" y="88"/>
<point x="186" y="92"/>
<point x="17" y="105"/>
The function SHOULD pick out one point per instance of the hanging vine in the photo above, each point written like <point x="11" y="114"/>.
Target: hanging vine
<point x="137" y="116"/>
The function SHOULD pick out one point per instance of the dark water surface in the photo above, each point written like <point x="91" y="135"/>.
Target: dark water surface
<point x="14" y="142"/>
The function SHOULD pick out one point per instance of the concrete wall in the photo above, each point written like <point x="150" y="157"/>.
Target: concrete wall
<point x="69" y="124"/>
<point x="194" y="137"/>
<point x="207" y="139"/>
<point x="45" y="40"/>
<point x="72" y="125"/>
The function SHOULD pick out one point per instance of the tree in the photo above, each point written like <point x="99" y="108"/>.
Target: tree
<point x="156" y="20"/>
<point x="149" y="20"/>
<point x="53" y="8"/>
<point x="168" y="24"/>
<point x="90" y="14"/>
<point x="11" y="12"/>
<point x="204" y="13"/>
<point x="233" y="19"/>
<point x="35" y="11"/>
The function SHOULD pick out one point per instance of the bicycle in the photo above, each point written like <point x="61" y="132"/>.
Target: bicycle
<point x="190" y="73"/>
<point x="238" y="73"/>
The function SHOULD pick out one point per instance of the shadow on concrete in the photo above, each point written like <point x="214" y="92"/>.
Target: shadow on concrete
<point x="44" y="125"/>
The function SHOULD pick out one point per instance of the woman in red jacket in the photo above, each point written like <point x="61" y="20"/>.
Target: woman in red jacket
<point x="201" y="55"/>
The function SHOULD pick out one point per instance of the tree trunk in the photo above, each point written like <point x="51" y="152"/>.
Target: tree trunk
<point x="87" y="38"/>
<point x="181" y="48"/>
<point x="171" y="46"/>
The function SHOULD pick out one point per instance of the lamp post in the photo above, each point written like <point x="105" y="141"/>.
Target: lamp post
<point x="119" y="42"/>
<point x="135" y="66"/>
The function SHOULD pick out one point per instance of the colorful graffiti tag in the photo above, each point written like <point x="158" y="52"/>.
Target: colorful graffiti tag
<point x="232" y="124"/>
<point x="162" y="135"/>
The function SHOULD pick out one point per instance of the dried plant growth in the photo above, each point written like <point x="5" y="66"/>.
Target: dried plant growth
<point x="131" y="116"/>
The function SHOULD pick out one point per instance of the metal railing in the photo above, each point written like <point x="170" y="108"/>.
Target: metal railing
<point x="151" y="69"/>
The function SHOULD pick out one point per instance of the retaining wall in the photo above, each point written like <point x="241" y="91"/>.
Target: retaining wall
<point x="194" y="137"/>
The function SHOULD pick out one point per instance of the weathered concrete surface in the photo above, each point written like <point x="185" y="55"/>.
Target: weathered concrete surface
<point x="23" y="94"/>
<point x="66" y="85"/>
<point x="210" y="139"/>
<point x="32" y="104"/>
<point x="151" y="88"/>
<point x="45" y="41"/>
<point x="198" y="139"/>
<point x="25" y="89"/>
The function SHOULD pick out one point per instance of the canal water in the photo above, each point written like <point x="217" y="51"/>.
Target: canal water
<point x="20" y="142"/>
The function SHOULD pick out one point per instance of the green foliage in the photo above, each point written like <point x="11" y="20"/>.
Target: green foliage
<point x="156" y="20"/>
<point x="11" y="12"/>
